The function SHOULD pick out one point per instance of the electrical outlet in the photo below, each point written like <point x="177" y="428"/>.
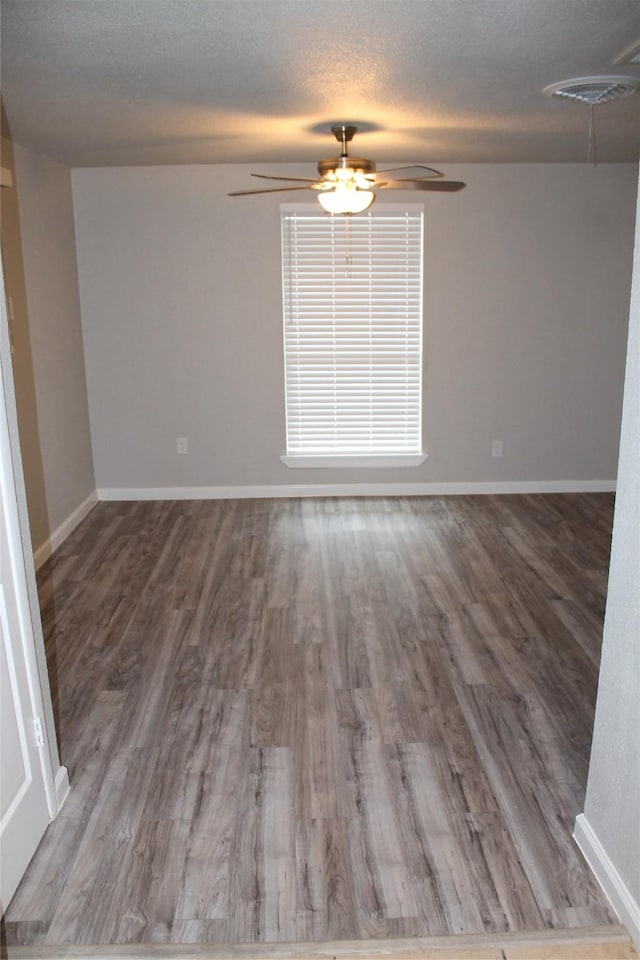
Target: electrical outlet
<point x="182" y="445"/>
<point x="497" y="448"/>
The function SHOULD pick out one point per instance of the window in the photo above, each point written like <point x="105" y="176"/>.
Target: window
<point x="352" y="292"/>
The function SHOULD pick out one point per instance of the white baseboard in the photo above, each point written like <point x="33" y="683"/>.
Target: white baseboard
<point x="62" y="786"/>
<point x="608" y="877"/>
<point x="437" y="489"/>
<point x="60" y="534"/>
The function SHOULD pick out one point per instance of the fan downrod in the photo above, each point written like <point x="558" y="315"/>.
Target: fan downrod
<point x="344" y="134"/>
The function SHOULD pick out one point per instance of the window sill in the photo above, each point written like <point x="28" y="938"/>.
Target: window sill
<point x="377" y="460"/>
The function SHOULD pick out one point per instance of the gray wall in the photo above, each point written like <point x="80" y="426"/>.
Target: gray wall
<point x="613" y="791"/>
<point x="527" y="280"/>
<point x="39" y="256"/>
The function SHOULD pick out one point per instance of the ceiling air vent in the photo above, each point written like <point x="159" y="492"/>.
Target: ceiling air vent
<point x="594" y="90"/>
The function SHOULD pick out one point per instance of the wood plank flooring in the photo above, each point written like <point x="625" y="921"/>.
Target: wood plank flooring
<point x="321" y="719"/>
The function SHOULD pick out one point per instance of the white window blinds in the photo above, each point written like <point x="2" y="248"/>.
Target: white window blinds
<point x="353" y="332"/>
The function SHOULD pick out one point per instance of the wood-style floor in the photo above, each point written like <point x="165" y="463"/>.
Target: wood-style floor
<point x="328" y="719"/>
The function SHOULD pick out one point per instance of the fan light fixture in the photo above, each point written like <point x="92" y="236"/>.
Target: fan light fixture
<point x="346" y="199"/>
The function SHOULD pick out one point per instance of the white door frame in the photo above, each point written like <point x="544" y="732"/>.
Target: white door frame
<point x="55" y="776"/>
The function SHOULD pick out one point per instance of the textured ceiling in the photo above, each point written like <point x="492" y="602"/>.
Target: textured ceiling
<point x="103" y="82"/>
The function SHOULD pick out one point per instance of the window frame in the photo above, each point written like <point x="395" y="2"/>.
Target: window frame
<point x="413" y="458"/>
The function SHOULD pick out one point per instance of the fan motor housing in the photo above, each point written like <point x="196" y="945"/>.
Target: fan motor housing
<point x="357" y="164"/>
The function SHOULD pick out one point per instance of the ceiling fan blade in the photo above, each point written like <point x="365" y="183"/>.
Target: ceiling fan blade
<point x="266" y="176"/>
<point x="430" y="172"/>
<point x="244" y="193"/>
<point x="441" y="186"/>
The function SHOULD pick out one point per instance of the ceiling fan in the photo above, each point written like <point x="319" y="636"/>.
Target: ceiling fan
<point x="346" y="184"/>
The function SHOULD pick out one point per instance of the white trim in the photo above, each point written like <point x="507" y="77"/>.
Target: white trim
<point x="608" y="877"/>
<point x="268" y="491"/>
<point x="29" y="634"/>
<point x="378" y="460"/>
<point x="60" y="534"/>
<point x="612" y="940"/>
<point x="62" y="786"/>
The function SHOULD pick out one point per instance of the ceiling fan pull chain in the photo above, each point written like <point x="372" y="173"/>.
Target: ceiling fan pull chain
<point x="347" y="245"/>
<point x="591" y="150"/>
